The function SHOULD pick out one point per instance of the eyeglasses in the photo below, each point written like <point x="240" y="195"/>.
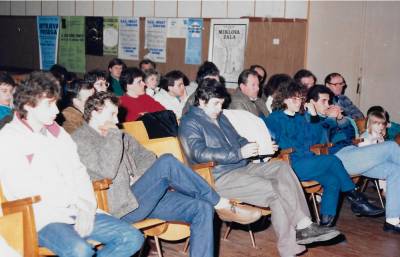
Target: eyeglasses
<point x="102" y="84"/>
<point x="338" y="84"/>
<point x="297" y="98"/>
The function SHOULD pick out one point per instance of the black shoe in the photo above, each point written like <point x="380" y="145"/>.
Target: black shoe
<point x="315" y="233"/>
<point x="355" y="196"/>
<point x="364" y="208"/>
<point x="387" y="227"/>
<point x="327" y="221"/>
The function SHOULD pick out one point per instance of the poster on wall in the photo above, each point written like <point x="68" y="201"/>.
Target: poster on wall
<point x="194" y="41"/>
<point x="177" y="27"/>
<point x="128" y="43"/>
<point x="72" y="44"/>
<point x="156" y="39"/>
<point x="48" y="29"/>
<point x="228" y="38"/>
<point x="110" y="36"/>
<point x="94" y="35"/>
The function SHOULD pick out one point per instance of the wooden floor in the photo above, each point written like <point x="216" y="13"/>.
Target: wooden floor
<point x="362" y="237"/>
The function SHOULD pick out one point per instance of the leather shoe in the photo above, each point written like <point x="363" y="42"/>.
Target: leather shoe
<point x="387" y="227"/>
<point x="240" y="213"/>
<point x="364" y="208"/>
<point x="315" y="233"/>
<point x="327" y="221"/>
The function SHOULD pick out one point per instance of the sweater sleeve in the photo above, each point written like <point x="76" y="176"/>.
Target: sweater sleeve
<point x="143" y="158"/>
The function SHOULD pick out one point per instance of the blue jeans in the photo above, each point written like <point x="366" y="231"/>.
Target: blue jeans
<point x="119" y="238"/>
<point x="328" y="170"/>
<point x="192" y="201"/>
<point x="380" y="161"/>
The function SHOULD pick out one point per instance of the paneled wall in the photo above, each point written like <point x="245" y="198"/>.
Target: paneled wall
<point x="159" y="8"/>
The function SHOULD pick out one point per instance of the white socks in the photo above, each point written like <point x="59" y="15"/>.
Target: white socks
<point x="304" y="223"/>
<point x="223" y="203"/>
<point x="393" y="221"/>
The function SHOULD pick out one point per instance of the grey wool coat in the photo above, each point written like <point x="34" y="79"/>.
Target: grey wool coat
<point x="240" y="101"/>
<point x="116" y="156"/>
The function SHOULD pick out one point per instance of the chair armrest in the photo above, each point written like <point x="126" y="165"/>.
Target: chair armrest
<point x="204" y="170"/>
<point x="10" y="205"/>
<point x="102" y="184"/>
<point x="284" y="154"/>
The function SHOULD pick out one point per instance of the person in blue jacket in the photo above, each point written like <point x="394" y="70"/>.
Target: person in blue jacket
<point x="290" y="129"/>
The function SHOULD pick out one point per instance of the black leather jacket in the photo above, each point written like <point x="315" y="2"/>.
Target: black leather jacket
<point x="204" y="141"/>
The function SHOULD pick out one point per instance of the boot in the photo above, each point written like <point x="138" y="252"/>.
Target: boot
<point x="360" y="205"/>
<point x="327" y="221"/>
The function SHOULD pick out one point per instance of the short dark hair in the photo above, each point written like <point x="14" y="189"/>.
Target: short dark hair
<point x="171" y="77"/>
<point x="147" y="61"/>
<point x="96" y="102"/>
<point x="330" y="76"/>
<point x="303" y="73"/>
<point x="274" y="82"/>
<point x="60" y="73"/>
<point x="129" y="75"/>
<point x="286" y="90"/>
<point x="39" y="84"/>
<point x="206" y="69"/>
<point x="93" y="75"/>
<point x="261" y="79"/>
<point x="5" y="78"/>
<point x="314" y="92"/>
<point x="72" y="90"/>
<point x="116" y="61"/>
<point x="210" y="88"/>
<point x="244" y="75"/>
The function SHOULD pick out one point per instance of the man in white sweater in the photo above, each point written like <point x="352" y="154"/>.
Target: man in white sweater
<point x="39" y="158"/>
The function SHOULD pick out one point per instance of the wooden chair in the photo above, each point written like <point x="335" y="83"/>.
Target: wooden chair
<point x="31" y="247"/>
<point x="12" y="231"/>
<point x="137" y="130"/>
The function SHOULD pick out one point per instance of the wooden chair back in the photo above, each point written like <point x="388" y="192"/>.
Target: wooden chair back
<point x="137" y="130"/>
<point x="12" y="231"/>
<point x="361" y="125"/>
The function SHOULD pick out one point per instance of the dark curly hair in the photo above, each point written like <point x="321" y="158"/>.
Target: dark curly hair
<point x="286" y="89"/>
<point x="38" y="85"/>
<point x="210" y="88"/>
<point x="96" y="102"/>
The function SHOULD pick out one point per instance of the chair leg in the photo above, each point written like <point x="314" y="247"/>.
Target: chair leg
<point x="186" y="246"/>
<point x="364" y="185"/>
<point x="253" y="241"/>
<point x="378" y="189"/>
<point x="228" y="230"/>
<point x="157" y="240"/>
<point x="315" y="207"/>
<point x="142" y="248"/>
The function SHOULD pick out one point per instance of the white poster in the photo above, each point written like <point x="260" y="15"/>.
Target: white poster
<point x="177" y="27"/>
<point x="156" y="39"/>
<point x="128" y="44"/>
<point x="228" y="39"/>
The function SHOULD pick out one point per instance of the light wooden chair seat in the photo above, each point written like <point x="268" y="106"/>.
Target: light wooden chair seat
<point x="12" y="231"/>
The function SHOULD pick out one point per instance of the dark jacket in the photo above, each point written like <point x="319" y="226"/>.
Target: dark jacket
<point x="240" y="101"/>
<point x="205" y="141"/>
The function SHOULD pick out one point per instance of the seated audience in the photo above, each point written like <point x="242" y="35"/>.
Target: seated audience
<point x="115" y="68"/>
<point x="246" y="96"/>
<point x="380" y="161"/>
<point x="141" y="183"/>
<point x="98" y="79"/>
<point x="306" y="78"/>
<point x="207" y="135"/>
<point x="272" y="85"/>
<point x="152" y="81"/>
<point x="291" y="129"/>
<point x="135" y="102"/>
<point x="173" y="93"/>
<point x="147" y="64"/>
<point x="41" y="159"/>
<point x="6" y="90"/>
<point x="336" y="83"/>
<point x="262" y="78"/>
<point x="76" y="94"/>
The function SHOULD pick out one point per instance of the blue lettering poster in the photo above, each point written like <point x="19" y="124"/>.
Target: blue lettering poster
<point x="194" y="41"/>
<point x="48" y="30"/>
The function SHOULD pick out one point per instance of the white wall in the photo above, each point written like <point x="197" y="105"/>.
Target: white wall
<point x="159" y="8"/>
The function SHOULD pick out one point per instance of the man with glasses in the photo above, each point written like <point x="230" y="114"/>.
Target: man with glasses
<point x="336" y="83"/>
<point x="98" y="79"/>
